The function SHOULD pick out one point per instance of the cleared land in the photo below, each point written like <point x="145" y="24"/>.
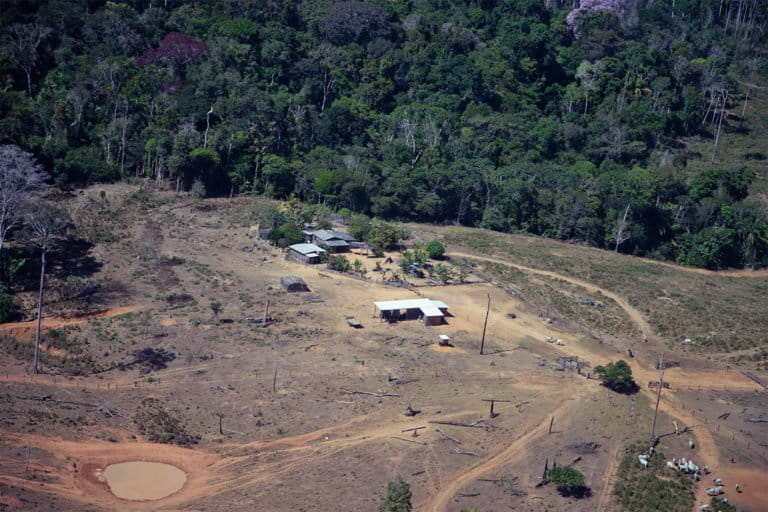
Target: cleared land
<point x="297" y="433"/>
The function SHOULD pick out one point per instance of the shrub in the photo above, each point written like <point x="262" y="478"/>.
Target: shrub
<point x="359" y="227"/>
<point x="444" y="272"/>
<point x="435" y="249"/>
<point x="617" y="376"/>
<point x="216" y="307"/>
<point x="570" y="481"/>
<point x="338" y="263"/>
<point x="7" y="308"/>
<point x="383" y="236"/>
<point x="398" y="498"/>
<point x="285" y="235"/>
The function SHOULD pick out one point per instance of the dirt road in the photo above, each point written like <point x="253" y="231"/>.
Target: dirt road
<point x="26" y="329"/>
<point x="449" y="489"/>
<point x="630" y="310"/>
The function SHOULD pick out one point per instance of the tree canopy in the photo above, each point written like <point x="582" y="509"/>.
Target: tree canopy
<point x="398" y="497"/>
<point x="532" y="116"/>
<point x="569" y="481"/>
<point x="617" y="376"/>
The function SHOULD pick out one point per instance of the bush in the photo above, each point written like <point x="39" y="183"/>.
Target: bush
<point x="359" y="227"/>
<point x="7" y="308"/>
<point x="398" y="498"/>
<point x="216" y="307"/>
<point x="338" y="263"/>
<point x="435" y="249"/>
<point x="617" y="376"/>
<point x="570" y="481"/>
<point x="383" y="236"/>
<point x="285" y="235"/>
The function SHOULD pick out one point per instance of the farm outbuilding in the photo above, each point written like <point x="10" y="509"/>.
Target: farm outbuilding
<point x="333" y="241"/>
<point x="305" y="253"/>
<point x="430" y="312"/>
<point x="293" y="284"/>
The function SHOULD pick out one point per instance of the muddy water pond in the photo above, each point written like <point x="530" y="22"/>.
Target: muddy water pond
<point x="141" y="481"/>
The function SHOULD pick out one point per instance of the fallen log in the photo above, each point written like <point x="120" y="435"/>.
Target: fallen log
<point x="459" y="452"/>
<point x="477" y="424"/>
<point x="409" y="440"/>
<point x="378" y="394"/>
<point x="446" y="436"/>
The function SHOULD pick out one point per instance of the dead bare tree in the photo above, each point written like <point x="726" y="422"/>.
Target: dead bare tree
<point x="719" y="126"/>
<point x="621" y="229"/>
<point x="21" y="180"/>
<point x="46" y="227"/>
<point x="207" y="126"/>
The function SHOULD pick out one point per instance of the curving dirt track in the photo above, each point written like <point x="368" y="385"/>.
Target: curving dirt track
<point x="630" y="310"/>
<point x="707" y="451"/>
<point x="27" y="328"/>
<point x="439" y="502"/>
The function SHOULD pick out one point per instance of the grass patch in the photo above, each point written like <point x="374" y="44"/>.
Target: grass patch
<point x="722" y="314"/>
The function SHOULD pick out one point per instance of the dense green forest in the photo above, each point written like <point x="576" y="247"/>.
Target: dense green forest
<point x="562" y="119"/>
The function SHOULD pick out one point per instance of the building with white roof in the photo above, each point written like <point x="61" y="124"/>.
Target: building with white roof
<point x="431" y="312"/>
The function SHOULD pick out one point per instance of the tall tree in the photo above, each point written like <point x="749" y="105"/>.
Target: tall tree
<point x="21" y="180"/>
<point x="46" y="227"/>
<point x="20" y="45"/>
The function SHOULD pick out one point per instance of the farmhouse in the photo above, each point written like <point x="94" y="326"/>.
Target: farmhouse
<point x="293" y="284"/>
<point x="305" y="253"/>
<point x="333" y="241"/>
<point x="431" y="312"/>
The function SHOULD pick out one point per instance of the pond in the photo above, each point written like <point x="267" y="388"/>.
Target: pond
<point x="139" y="481"/>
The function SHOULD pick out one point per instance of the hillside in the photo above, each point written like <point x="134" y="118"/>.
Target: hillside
<point x="169" y="338"/>
<point x="632" y="125"/>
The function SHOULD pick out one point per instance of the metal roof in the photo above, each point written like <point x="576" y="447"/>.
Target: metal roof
<point x="307" y="249"/>
<point x="427" y="306"/>
<point x="336" y="243"/>
<point x="327" y="234"/>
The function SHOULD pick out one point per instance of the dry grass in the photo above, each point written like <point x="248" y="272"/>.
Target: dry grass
<point x="724" y="315"/>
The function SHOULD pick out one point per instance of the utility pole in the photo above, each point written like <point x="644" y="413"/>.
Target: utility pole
<point x="485" y="324"/>
<point x="658" y="398"/>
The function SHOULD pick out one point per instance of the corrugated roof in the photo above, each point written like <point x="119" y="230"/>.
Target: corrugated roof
<point x="307" y="249"/>
<point x="427" y="306"/>
<point x="336" y="243"/>
<point x="327" y="234"/>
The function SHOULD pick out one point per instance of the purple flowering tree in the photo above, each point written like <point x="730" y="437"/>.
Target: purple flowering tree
<point x="587" y="6"/>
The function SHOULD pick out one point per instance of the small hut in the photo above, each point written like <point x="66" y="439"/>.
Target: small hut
<point x="309" y="254"/>
<point x="293" y="284"/>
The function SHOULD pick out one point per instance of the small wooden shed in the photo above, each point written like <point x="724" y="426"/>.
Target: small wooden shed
<point x="293" y="284"/>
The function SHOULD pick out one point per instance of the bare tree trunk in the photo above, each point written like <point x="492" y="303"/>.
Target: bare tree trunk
<point x="122" y="140"/>
<point x="28" y="72"/>
<point x="746" y="98"/>
<point x="620" y="235"/>
<point x="35" y="365"/>
<point x="719" y="127"/>
<point x="207" y="126"/>
<point x="328" y="83"/>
